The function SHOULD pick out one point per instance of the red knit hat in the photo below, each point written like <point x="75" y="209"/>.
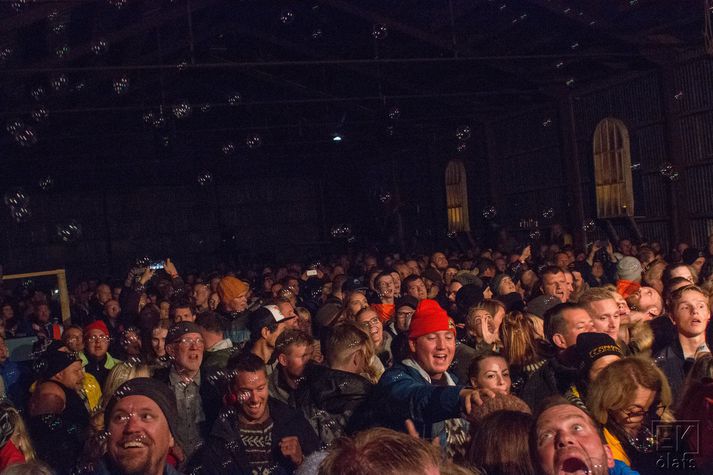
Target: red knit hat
<point x="97" y="325"/>
<point x="429" y="317"/>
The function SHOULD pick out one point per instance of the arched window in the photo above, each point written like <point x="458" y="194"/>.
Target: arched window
<point x="612" y="169"/>
<point x="457" y="197"/>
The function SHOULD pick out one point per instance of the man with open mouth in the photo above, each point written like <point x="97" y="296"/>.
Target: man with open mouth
<point x="566" y="441"/>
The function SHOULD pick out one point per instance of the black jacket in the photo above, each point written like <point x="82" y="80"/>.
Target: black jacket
<point x="674" y="365"/>
<point x="224" y="452"/>
<point x="332" y="401"/>
<point x="554" y="378"/>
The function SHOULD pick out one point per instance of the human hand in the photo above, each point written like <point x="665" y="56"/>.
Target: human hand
<point x="473" y="398"/>
<point x="290" y="448"/>
<point x="170" y="269"/>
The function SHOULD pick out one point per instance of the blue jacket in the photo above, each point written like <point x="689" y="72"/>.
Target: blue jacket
<point x="403" y="393"/>
<point x="620" y="468"/>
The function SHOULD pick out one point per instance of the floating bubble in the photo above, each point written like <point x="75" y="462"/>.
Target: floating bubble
<point x="206" y="108"/>
<point x="158" y="121"/>
<point x="635" y="166"/>
<point x="394" y="112"/>
<point x="121" y="85"/>
<point x="316" y="33"/>
<point x="148" y="117"/>
<point x="38" y="93"/>
<point x="341" y="231"/>
<point x="287" y="16"/>
<point x="535" y="234"/>
<point x="559" y="65"/>
<point x="80" y="85"/>
<point x="570" y="82"/>
<point x="463" y="132"/>
<point x="461" y="147"/>
<point x="118" y="4"/>
<point x="548" y="213"/>
<point x="666" y="169"/>
<point x="19" y="5"/>
<point x="62" y="51"/>
<point x="547" y="122"/>
<point x="182" y="66"/>
<point x="165" y="141"/>
<point x="40" y="113"/>
<point x="182" y="110"/>
<point x="674" y="176"/>
<point x="5" y="54"/>
<point x="205" y="178"/>
<point x="228" y="148"/>
<point x="574" y="45"/>
<point x="70" y="231"/>
<point x="26" y="137"/>
<point x="20" y="214"/>
<point x="489" y="212"/>
<point x="385" y="197"/>
<point x="351" y="239"/>
<point x="100" y="46"/>
<point x="451" y="234"/>
<point x="589" y="226"/>
<point x="253" y="141"/>
<point x="46" y="183"/>
<point x="390" y="130"/>
<point x="59" y="82"/>
<point x="16" y="197"/>
<point x="235" y="99"/>
<point x="678" y="96"/>
<point x="379" y="31"/>
<point x="14" y="126"/>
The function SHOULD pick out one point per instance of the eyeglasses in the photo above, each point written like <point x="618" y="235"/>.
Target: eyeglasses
<point x="95" y="338"/>
<point x="370" y="323"/>
<point x="188" y="342"/>
<point x="638" y="415"/>
<point x="405" y="314"/>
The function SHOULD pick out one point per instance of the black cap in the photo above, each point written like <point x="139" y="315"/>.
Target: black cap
<point x="407" y="301"/>
<point x="53" y="361"/>
<point x="266" y="316"/>
<point x="177" y="331"/>
<point x="353" y="284"/>
<point x="592" y="346"/>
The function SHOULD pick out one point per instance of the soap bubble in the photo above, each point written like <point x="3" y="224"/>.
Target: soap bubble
<point x="394" y="112"/>
<point x="535" y="234"/>
<point x="461" y="147"/>
<point x="38" y="93"/>
<point x="379" y="31"/>
<point x="235" y="99"/>
<point x="62" y="51"/>
<point x="589" y="226"/>
<point x="19" y="5"/>
<point x="678" y="96"/>
<point x="316" y="33"/>
<point x="70" y="231"/>
<point x="20" y="214"/>
<point x="287" y="16"/>
<point x="228" y="148"/>
<point x="59" y="82"/>
<point x="118" y="4"/>
<point x="451" y="234"/>
<point x="674" y="176"/>
<point x="158" y="121"/>
<point x="489" y="212"/>
<point x="100" y="46"/>
<point x="26" y="137"/>
<point x="547" y="122"/>
<point x="253" y="141"/>
<point x="182" y="110"/>
<point x="14" y="126"/>
<point x="205" y="178"/>
<point x="206" y="107"/>
<point x="46" y="183"/>
<point x="121" y="85"/>
<point x="341" y="231"/>
<point x="463" y="132"/>
<point x="148" y="117"/>
<point x="40" y="113"/>
<point x="569" y="82"/>
<point x="548" y="213"/>
<point x="385" y="197"/>
<point x="16" y="197"/>
<point x="5" y="54"/>
<point x="635" y="166"/>
<point x="666" y="169"/>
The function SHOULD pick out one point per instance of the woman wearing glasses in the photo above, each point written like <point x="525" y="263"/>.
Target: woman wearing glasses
<point x="369" y="321"/>
<point x="626" y="397"/>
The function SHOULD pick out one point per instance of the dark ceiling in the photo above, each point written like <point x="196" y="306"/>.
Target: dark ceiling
<point x="86" y="81"/>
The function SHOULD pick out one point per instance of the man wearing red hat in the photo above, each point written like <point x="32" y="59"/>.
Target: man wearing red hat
<point x="96" y="358"/>
<point x="420" y="387"/>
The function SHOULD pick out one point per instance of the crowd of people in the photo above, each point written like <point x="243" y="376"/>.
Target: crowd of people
<point x="536" y="359"/>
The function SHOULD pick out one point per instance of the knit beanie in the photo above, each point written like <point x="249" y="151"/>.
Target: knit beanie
<point x="629" y="268"/>
<point x="428" y="318"/>
<point x="465" y="277"/>
<point x="52" y="362"/>
<point x="153" y="389"/>
<point x="433" y="275"/>
<point x="407" y="301"/>
<point x="469" y="295"/>
<point x="231" y="287"/>
<point x="592" y="346"/>
<point x="97" y="325"/>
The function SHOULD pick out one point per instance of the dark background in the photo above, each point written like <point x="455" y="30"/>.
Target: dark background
<point x="531" y="78"/>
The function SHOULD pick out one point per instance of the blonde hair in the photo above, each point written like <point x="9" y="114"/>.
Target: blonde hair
<point x="489" y="305"/>
<point x="345" y="337"/>
<point x="519" y="337"/>
<point x="20" y="436"/>
<point x="616" y="385"/>
<point x="120" y="374"/>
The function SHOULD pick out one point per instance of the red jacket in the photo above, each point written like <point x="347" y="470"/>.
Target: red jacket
<point x="10" y="455"/>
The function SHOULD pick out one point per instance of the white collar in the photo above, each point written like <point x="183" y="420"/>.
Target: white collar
<point x="412" y="364"/>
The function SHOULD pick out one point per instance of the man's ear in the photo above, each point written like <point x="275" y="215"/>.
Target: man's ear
<point x="610" y="456"/>
<point x="171" y="350"/>
<point x="282" y="359"/>
<point x="559" y="341"/>
<point x="412" y="345"/>
<point x="264" y="333"/>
